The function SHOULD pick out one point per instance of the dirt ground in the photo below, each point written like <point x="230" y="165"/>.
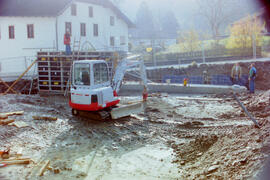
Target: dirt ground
<point x="178" y="137"/>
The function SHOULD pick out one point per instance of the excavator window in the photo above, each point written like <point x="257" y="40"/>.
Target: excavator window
<point x="82" y="74"/>
<point x="100" y="73"/>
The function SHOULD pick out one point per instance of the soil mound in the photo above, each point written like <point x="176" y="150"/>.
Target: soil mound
<point x="194" y="149"/>
<point x="259" y="104"/>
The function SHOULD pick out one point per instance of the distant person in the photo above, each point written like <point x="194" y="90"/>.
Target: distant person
<point x="251" y="78"/>
<point x="206" y="79"/>
<point x="236" y="74"/>
<point x="67" y="42"/>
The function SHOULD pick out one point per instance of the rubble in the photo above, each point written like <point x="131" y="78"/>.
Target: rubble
<point x="190" y="139"/>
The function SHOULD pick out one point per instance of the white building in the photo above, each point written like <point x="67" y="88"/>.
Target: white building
<point x="28" y="26"/>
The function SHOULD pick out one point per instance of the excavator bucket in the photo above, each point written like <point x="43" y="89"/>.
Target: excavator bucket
<point x="126" y="110"/>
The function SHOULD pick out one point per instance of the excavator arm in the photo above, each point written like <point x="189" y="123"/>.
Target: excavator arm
<point x="120" y="72"/>
<point x="122" y="68"/>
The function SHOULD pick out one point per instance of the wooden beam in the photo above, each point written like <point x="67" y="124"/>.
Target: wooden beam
<point x="2" y="116"/>
<point x="5" y="122"/>
<point x="12" y="113"/>
<point x="24" y="161"/>
<point x="44" y="118"/>
<point x="15" y="159"/>
<point x="44" y="167"/>
<point x="20" y="77"/>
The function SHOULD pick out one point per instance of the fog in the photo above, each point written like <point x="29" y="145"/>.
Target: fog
<point x="186" y="11"/>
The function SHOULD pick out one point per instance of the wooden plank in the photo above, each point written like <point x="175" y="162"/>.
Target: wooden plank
<point x="44" y="167"/>
<point x="44" y="118"/>
<point x="15" y="159"/>
<point x="7" y="121"/>
<point x="19" y="124"/>
<point x="12" y="113"/>
<point x="134" y="102"/>
<point x="2" y="116"/>
<point x="25" y="161"/>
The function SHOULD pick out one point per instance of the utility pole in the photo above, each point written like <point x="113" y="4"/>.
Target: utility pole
<point x="254" y="46"/>
<point x="154" y="48"/>
<point x="203" y="53"/>
<point x="154" y="53"/>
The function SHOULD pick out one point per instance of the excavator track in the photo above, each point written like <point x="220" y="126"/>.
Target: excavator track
<point x="98" y="115"/>
<point x="116" y="112"/>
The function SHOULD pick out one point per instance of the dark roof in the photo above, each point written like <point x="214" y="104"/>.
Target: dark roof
<point x="50" y="8"/>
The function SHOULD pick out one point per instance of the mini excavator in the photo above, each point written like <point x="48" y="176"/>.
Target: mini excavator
<point x="92" y="90"/>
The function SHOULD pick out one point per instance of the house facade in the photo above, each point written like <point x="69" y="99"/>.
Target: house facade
<point x="28" y="26"/>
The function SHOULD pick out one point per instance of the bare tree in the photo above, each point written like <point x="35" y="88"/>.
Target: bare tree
<point x="217" y="13"/>
<point x="189" y="41"/>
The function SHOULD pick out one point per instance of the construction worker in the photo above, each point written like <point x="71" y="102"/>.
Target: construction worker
<point x="145" y="94"/>
<point x="206" y="79"/>
<point x="251" y="78"/>
<point x="236" y="74"/>
<point x="67" y="42"/>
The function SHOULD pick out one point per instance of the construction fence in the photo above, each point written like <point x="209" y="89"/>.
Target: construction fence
<point x="202" y="51"/>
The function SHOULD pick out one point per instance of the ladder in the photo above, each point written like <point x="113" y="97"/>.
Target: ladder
<point x="76" y="49"/>
<point x="75" y="56"/>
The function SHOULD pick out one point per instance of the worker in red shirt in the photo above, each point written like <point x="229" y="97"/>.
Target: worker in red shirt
<point x="67" y="42"/>
<point x="145" y="93"/>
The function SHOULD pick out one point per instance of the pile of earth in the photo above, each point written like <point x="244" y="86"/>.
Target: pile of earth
<point x="259" y="104"/>
<point x="195" y="148"/>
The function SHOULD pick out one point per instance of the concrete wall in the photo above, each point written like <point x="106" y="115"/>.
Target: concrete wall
<point x="262" y="79"/>
<point x="127" y="89"/>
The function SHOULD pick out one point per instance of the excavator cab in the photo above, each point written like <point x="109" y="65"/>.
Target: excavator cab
<point x="91" y="87"/>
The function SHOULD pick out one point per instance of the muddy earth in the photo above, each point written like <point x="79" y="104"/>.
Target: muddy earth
<point x="177" y="137"/>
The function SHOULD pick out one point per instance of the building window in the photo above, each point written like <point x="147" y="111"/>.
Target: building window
<point x="83" y="29"/>
<point x="68" y="27"/>
<point x="91" y="12"/>
<point x="122" y="40"/>
<point x="112" y="41"/>
<point x="11" y="32"/>
<point x="112" y="21"/>
<point x="73" y="9"/>
<point x="30" y="31"/>
<point x="95" y="29"/>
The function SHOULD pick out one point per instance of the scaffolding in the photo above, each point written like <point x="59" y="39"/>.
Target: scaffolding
<point x="54" y="68"/>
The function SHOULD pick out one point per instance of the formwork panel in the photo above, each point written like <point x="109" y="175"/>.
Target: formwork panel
<point x="54" y="68"/>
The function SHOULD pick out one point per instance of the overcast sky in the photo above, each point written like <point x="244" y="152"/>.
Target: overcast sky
<point x="130" y="7"/>
<point x="183" y="9"/>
